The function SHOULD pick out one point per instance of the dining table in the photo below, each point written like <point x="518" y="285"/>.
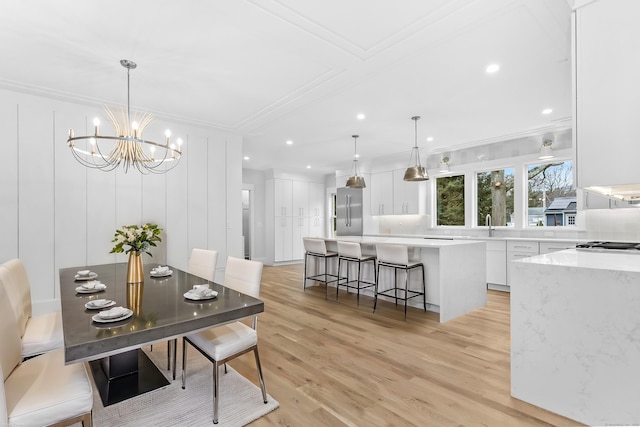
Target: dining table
<point x="158" y="309"/>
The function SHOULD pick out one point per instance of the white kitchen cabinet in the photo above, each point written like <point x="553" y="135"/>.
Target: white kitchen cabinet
<point x="300" y="198"/>
<point x="283" y="238"/>
<point x="496" y="262"/>
<point x="548" y="247"/>
<point x="406" y="195"/>
<point x="518" y="249"/>
<point x="283" y="197"/>
<point x="607" y="42"/>
<point x="300" y="229"/>
<point x="382" y="193"/>
<point x="294" y="209"/>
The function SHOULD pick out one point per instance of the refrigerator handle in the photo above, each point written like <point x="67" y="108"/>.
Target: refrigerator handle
<point x="346" y="210"/>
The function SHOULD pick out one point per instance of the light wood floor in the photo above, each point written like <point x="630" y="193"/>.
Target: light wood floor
<point x="333" y="363"/>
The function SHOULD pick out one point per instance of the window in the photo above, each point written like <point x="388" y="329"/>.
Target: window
<point x="450" y="200"/>
<point x="495" y="197"/>
<point x="551" y="194"/>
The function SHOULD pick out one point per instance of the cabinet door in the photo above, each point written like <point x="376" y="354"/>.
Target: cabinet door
<point x="316" y="199"/>
<point x="405" y="194"/>
<point x="300" y="230"/>
<point x="497" y="262"/>
<point x="283" y="197"/>
<point x="382" y="193"/>
<point x="607" y="92"/>
<point x="316" y="226"/>
<point x="300" y="198"/>
<point x="283" y="238"/>
<point x="517" y="249"/>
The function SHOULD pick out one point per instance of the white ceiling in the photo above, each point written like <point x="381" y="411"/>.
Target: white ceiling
<point x="274" y="70"/>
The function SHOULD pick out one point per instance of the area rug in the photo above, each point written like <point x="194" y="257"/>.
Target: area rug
<point x="240" y="400"/>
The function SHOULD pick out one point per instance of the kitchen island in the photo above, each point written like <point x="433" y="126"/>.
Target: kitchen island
<point x="455" y="271"/>
<point x="575" y="335"/>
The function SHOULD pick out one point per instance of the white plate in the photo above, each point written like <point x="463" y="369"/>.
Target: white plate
<point x="91" y="306"/>
<point x="98" y="288"/>
<point x="96" y="317"/>
<point x="165" y="274"/>
<point x="196" y="297"/>
<point x="90" y="276"/>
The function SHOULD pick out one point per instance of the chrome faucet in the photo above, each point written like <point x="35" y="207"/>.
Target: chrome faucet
<point x="487" y="222"/>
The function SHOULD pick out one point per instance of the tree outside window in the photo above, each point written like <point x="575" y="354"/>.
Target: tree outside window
<point x="495" y="197"/>
<point x="450" y="200"/>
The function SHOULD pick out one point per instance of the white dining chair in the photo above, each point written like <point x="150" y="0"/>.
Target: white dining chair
<point x="203" y="263"/>
<point x="227" y="342"/>
<point x="38" y="334"/>
<point x="41" y="391"/>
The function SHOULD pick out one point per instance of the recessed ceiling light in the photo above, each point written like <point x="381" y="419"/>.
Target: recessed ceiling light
<point x="361" y="116"/>
<point x="492" y="68"/>
<point x="289" y="142"/>
<point x="429" y="138"/>
<point x="246" y="157"/>
<point x="547" y="111"/>
<point x="308" y="166"/>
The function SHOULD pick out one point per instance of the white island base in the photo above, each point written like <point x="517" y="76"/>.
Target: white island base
<point x="455" y="272"/>
<point x="575" y="335"/>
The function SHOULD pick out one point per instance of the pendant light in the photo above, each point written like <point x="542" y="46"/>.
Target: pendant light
<point x="417" y="172"/>
<point x="546" y="151"/>
<point x="355" y="181"/>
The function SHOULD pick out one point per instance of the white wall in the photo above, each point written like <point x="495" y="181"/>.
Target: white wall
<point x="57" y="213"/>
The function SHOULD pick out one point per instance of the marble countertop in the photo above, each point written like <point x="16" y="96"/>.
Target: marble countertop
<point x="482" y="238"/>
<point x="612" y="261"/>
<point x="415" y="242"/>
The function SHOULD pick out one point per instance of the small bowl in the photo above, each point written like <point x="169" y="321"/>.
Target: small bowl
<point x="84" y="272"/>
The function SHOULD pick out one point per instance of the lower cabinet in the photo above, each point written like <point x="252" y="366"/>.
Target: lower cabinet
<point x="283" y="238"/>
<point x="518" y="249"/>
<point x="496" y="262"/>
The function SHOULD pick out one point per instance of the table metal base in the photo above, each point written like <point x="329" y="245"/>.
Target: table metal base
<point x="125" y="375"/>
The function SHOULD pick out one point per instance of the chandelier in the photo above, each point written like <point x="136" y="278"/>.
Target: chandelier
<point x="355" y="181"/>
<point x="417" y="172"/>
<point x="127" y="147"/>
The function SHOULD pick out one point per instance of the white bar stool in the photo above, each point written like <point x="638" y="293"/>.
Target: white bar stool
<point x="397" y="257"/>
<point x="317" y="248"/>
<point x="351" y="252"/>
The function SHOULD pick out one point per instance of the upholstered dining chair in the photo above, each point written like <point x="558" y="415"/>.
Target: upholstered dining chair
<point x="202" y="264"/>
<point x="38" y="334"/>
<point x="227" y="342"/>
<point x="40" y="391"/>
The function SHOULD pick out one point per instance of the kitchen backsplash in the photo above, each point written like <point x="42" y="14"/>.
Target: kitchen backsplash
<point x="598" y="224"/>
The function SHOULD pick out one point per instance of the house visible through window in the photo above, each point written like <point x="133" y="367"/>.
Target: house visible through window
<point x="551" y="194"/>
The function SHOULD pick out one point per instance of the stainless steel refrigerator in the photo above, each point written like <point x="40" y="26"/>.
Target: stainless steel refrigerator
<point x="349" y="212"/>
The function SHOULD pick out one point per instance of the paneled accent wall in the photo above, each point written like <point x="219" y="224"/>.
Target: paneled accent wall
<point x="57" y="213"/>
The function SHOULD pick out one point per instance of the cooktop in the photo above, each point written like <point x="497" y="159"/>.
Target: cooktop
<point x="609" y="246"/>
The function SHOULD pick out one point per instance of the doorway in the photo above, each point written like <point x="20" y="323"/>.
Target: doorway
<point x="246" y="223"/>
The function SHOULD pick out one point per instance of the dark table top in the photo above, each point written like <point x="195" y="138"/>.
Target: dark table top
<point x="161" y="313"/>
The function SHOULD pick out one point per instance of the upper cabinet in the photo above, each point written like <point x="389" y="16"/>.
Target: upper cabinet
<point x="406" y="195"/>
<point x="382" y="193"/>
<point x="392" y="195"/>
<point x="607" y="93"/>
